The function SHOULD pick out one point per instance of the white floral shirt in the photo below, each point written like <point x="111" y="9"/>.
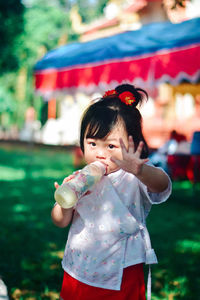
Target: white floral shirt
<point x="106" y="233"/>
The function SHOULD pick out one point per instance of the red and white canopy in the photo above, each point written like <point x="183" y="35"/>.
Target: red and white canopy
<point x="156" y="53"/>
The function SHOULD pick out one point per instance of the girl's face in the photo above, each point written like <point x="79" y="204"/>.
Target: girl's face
<point x="103" y="149"/>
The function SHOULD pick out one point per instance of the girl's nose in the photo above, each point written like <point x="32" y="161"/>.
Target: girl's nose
<point x="101" y="154"/>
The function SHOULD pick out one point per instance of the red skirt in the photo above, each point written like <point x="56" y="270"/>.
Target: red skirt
<point x="132" y="287"/>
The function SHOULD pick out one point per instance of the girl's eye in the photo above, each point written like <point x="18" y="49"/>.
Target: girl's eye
<point x="93" y="144"/>
<point x="111" y="146"/>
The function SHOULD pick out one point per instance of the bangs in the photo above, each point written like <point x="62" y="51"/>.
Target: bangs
<point x="101" y="123"/>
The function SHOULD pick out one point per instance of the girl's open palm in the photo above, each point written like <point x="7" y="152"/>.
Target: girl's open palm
<point x="131" y="161"/>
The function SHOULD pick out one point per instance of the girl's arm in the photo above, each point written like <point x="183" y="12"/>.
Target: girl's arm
<point x="61" y="217"/>
<point x="155" y="179"/>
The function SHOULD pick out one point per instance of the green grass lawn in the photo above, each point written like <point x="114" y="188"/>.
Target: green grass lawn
<point x="31" y="247"/>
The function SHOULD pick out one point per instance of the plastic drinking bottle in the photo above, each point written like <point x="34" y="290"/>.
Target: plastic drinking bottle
<point x="69" y="192"/>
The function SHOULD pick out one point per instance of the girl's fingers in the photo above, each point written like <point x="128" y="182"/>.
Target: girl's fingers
<point x="144" y="160"/>
<point x="131" y="144"/>
<point x="116" y="161"/>
<point x="65" y="180"/>
<point x="139" y="149"/>
<point x="123" y="147"/>
<point x="68" y="178"/>
<point x="56" y="185"/>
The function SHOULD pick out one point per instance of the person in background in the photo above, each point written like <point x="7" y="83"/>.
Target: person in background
<point x="177" y="142"/>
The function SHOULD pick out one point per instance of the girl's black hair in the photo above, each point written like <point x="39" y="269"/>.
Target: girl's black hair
<point x="99" y="119"/>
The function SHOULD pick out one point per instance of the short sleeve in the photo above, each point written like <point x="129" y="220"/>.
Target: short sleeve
<point x="149" y="198"/>
<point x="156" y="198"/>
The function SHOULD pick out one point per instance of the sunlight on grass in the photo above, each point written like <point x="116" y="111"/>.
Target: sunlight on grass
<point x="31" y="246"/>
<point x="30" y="295"/>
<point x="170" y="289"/>
<point x="48" y="173"/>
<point x="58" y="254"/>
<point x="188" y="246"/>
<point x="184" y="185"/>
<point x="51" y="295"/>
<point x="18" y="208"/>
<point x="11" y="174"/>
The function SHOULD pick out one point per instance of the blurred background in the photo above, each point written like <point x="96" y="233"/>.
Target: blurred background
<point x="57" y="56"/>
<point x="38" y="101"/>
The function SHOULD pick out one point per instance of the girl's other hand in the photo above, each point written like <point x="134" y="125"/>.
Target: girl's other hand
<point x="66" y="179"/>
<point x="131" y="161"/>
<point x="56" y="184"/>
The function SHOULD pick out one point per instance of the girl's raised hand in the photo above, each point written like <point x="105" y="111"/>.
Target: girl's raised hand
<point x="131" y="161"/>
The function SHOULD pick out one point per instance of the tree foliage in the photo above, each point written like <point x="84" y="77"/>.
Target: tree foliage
<point x="28" y="28"/>
<point x="24" y="32"/>
<point x="43" y="27"/>
<point x="90" y="10"/>
<point x="11" y="26"/>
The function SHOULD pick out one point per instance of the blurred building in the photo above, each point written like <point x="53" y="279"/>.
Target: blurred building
<point x="170" y="107"/>
<point x="119" y="16"/>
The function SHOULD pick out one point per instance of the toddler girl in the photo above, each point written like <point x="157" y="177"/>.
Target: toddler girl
<point x="108" y="241"/>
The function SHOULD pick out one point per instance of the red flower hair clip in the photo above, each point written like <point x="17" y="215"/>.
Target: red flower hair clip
<point x="109" y="93"/>
<point x="127" y="97"/>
